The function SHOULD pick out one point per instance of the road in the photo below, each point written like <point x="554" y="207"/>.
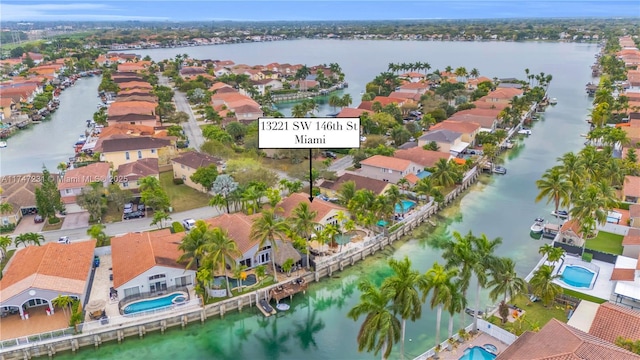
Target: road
<point x="340" y="165"/>
<point x="191" y="128"/>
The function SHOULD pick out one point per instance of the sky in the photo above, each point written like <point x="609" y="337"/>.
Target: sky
<point x="306" y="10"/>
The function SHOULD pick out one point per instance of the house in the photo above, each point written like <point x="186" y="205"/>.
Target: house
<point x="36" y="57"/>
<point x="7" y="107"/>
<point x="503" y="95"/>
<point x="192" y="71"/>
<point x="631" y="243"/>
<point x="469" y="130"/>
<point x="331" y="188"/>
<point x="221" y="71"/>
<point x="304" y="84"/>
<point x="186" y="165"/>
<point x="483" y="104"/>
<point x="557" y="340"/>
<point x="147" y="263"/>
<point x="631" y="189"/>
<point x="385" y="100"/>
<point x="248" y="113"/>
<point x="353" y="113"/>
<point x="131" y="107"/>
<point x="146" y="120"/>
<point x="405" y="95"/>
<point x="486" y="118"/>
<point x="122" y="150"/>
<point x="612" y="321"/>
<point x="472" y="83"/>
<point x="20" y="192"/>
<point x="634" y="216"/>
<point x="266" y="84"/>
<point x="129" y="174"/>
<point x="448" y="141"/>
<point x="238" y="228"/>
<point x="422" y="157"/>
<point x="74" y="180"/>
<point x="413" y="77"/>
<point x="138" y="97"/>
<point x="136" y="84"/>
<point x="246" y="108"/>
<point x="387" y="168"/>
<point x="219" y="85"/>
<point x="134" y="66"/>
<point x="38" y="274"/>
<point x="326" y="212"/>
<point x="570" y="233"/>
<point x="413" y="88"/>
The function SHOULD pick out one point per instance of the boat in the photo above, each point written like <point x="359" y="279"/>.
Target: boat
<point x="3" y="144"/>
<point x="283" y="307"/>
<point x="562" y="214"/>
<point x="265" y="308"/>
<point x="553" y="101"/>
<point x="538" y="226"/>
<point x="499" y="170"/>
<point x="524" y="132"/>
<point x="471" y="312"/>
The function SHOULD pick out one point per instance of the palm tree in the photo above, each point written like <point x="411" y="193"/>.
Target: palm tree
<point x="220" y="250"/>
<point x="63" y="302"/>
<point x="554" y="186"/>
<point x="265" y="229"/>
<point x="590" y="204"/>
<point x="346" y="192"/>
<point x="556" y="254"/>
<point x="483" y="249"/>
<point x="444" y="174"/>
<point x="474" y="73"/>
<point x="381" y="328"/>
<point x="542" y="284"/>
<point x="426" y="187"/>
<point x="404" y="285"/>
<point x="192" y="244"/>
<point x="97" y="232"/>
<point x="459" y="255"/>
<point x="395" y="197"/>
<point x="29" y="238"/>
<point x="456" y="305"/>
<point x="5" y="208"/>
<point x="303" y="222"/>
<point x="438" y="282"/>
<point x="505" y="281"/>
<point x="5" y="242"/>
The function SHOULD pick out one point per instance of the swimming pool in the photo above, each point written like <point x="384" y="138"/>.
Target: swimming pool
<point x="155" y="303"/>
<point x="406" y="206"/>
<point x="234" y="283"/>
<point x="578" y="276"/>
<point x="477" y="353"/>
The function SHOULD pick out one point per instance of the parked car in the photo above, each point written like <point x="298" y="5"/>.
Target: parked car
<point x="133" y="215"/>
<point x="188" y="224"/>
<point x="96" y="261"/>
<point x="64" y="240"/>
<point x="141" y="207"/>
<point x="38" y="219"/>
<point x="330" y="154"/>
<point x="128" y="207"/>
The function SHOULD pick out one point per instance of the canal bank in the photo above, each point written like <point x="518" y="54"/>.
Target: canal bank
<point x="50" y="142"/>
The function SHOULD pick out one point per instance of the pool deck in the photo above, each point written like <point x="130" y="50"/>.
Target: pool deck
<point x="479" y="340"/>
<point x="603" y="286"/>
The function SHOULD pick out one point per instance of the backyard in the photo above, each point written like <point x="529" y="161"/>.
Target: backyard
<point x="181" y="196"/>
<point x="606" y="242"/>
<point x="534" y="318"/>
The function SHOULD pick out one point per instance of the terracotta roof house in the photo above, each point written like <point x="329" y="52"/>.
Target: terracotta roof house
<point x="263" y="85"/>
<point x="634" y="215"/>
<point x="631" y="189"/>
<point x="570" y="233"/>
<point x="351" y="112"/>
<point x="469" y="130"/>
<point x="482" y="103"/>
<point x="503" y="95"/>
<point x="326" y="211"/>
<point x="147" y="263"/>
<point x="238" y="227"/>
<point x="472" y="83"/>
<point x="414" y="88"/>
<point x="74" y="180"/>
<point x="134" y="66"/>
<point x="131" y="107"/>
<point x="235" y="100"/>
<point x="36" y="57"/>
<point x="148" y="98"/>
<point x="192" y="71"/>
<point x="413" y="77"/>
<point x="366" y="105"/>
<point x="219" y="85"/>
<point x="122" y="150"/>
<point x="613" y="320"/>
<point x="38" y="274"/>
<point x="385" y="100"/>
<point x="146" y="120"/>
<point x="557" y="340"/>
<point x="631" y="243"/>
<point x="135" y="85"/>
<point x="422" y="157"/>
<point x="129" y="174"/>
<point x="486" y="118"/>
<point x="387" y="168"/>
<point x="186" y="165"/>
<point x="20" y="191"/>
<point x="405" y="95"/>
<point x="331" y="188"/>
<point x="448" y="141"/>
<point x="135" y="91"/>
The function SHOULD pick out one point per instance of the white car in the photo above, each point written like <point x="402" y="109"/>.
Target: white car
<point x="128" y="207"/>
<point x="64" y="240"/>
<point x="188" y="224"/>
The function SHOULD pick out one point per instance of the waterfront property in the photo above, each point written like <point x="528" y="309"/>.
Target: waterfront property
<point x="120" y="150"/>
<point x="146" y="265"/>
<point x="327" y="212"/>
<point x="331" y="188"/>
<point x="591" y="278"/>
<point x="39" y="274"/>
<point x="387" y="168"/>
<point x="74" y="180"/>
<point x="161" y="302"/>
<point x="238" y="227"/>
<point x="185" y="165"/>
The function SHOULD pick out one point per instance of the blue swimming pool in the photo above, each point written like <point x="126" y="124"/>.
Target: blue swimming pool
<point x="477" y="353"/>
<point x="234" y="283"/>
<point x="578" y="276"/>
<point x="406" y="206"/>
<point x="155" y="303"/>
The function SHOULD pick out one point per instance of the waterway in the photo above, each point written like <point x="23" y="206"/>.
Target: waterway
<point x="316" y="326"/>
<point x="51" y="142"/>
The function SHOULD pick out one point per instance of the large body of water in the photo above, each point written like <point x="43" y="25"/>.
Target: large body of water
<point x="51" y="142"/>
<point x="316" y="326"/>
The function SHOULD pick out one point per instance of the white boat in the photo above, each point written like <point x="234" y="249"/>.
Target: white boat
<point x="553" y="101"/>
<point x="3" y="144"/>
<point x="524" y="132"/>
<point x="562" y="214"/>
<point x="538" y="226"/>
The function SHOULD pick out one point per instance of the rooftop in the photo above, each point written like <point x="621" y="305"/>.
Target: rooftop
<point x="386" y="162"/>
<point x="195" y="159"/>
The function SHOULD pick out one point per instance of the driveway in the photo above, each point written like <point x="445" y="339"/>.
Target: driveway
<point x="27" y="225"/>
<point x="76" y="220"/>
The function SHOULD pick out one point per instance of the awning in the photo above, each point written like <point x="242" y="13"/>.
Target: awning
<point x="459" y="147"/>
<point x="629" y="290"/>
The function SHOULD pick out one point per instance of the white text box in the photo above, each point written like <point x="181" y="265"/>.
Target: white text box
<point x="308" y="133"/>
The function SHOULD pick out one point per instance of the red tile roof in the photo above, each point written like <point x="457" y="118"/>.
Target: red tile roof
<point x="83" y="176"/>
<point x="631" y="186"/>
<point x="134" y="253"/>
<point x="137" y="170"/>
<point x="385" y="100"/>
<point x="420" y="156"/>
<point x="505" y="93"/>
<point x="613" y="320"/>
<point x="623" y="274"/>
<point x="351" y="112"/>
<point x="462" y="127"/>
<point x="195" y="160"/>
<point x="361" y="182"/>
<point x="632" y="237"/>
<point x="387" y="162"/>
<point x="322" y="207"/>
<point x="238" y="227"/>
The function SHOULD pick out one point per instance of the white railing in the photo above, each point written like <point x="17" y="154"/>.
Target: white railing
<point x="443" y="345"/>
<point x="36" y="338"/>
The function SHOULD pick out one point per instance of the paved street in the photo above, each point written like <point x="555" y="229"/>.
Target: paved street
<point x="340" y="165"/>
<point x="191" y="128"/>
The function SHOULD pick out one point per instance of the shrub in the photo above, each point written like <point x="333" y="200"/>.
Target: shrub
<point x="587" y="257"/>
<point x="7" y="228"/>
<point x="178" y="181"/>
<point x="176" y="227"/>
<point x="54" y="220"/>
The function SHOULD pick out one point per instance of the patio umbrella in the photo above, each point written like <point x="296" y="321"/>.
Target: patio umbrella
<point x="95" y="306"/>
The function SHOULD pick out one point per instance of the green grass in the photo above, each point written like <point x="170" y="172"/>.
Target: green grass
<point x="5" y="260"/>
<point x="182" y="197"/>
<point x="606" y="242"/>
<point x="112" y="214"/>
<point x="582" y="296"/>
<point x="624" y="205"/>
<point x="536" y="315"/>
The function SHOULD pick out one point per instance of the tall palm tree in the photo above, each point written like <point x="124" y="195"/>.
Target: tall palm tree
<point x="542" y="284"/>
<point x="346" y="192"/>
<point x="404" y="285"/>
<point x="265" y="229"/>
<point x="554" y="186"/>
<point x="444" y="174"/>
<point x="428" y="188"/>
<point x="590" y="204"/>
<point x="395" y="197"/>
<point x="303" y="222"/>
<point x="505" y="281"/>
<point x="381" y="328"/>
<point x="459" y="255"/>
<point x="63" y="302"/>
<point x="221" y="250"/>
<point x="483" y="249"/>
<point x="192" y="245"/>
<point x="456" y="305"/>
<point x="438" y="282"/>
<point x="556" y="254"/>
<point x="5" y="242"/>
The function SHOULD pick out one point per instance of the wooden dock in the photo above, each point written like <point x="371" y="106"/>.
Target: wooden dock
<point x="288" y="290"/>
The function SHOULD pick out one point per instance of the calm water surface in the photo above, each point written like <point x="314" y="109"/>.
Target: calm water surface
<point x="316" y="326"/>
<point x="51" y="142"/>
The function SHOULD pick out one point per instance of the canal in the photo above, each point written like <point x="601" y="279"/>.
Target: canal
<point x="51" y="142"/>
<point x="316" y="326"/>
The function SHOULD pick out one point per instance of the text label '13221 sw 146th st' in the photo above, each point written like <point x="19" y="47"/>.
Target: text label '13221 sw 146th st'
<point x="307" y="133"/>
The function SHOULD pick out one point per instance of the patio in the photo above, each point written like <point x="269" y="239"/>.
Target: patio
<point x="12" y="326"/>
<point x="602" y="287"/>
<point x="479" y="340"/>
<point x="101" y="286"/>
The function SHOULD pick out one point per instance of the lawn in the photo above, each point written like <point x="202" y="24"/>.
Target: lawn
<point x="51" y="227"/>
<point x="606" y="242"/>
<point x="536" y="315"/>
<point x="182" y="197"/>
<point x="582" y="296"/>
<point x="112" y="214"/>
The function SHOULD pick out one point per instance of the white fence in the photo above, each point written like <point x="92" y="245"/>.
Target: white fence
<point x="496" y="332"/>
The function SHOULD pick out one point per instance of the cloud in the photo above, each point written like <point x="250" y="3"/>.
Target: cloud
<point x="66" y="11"/>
